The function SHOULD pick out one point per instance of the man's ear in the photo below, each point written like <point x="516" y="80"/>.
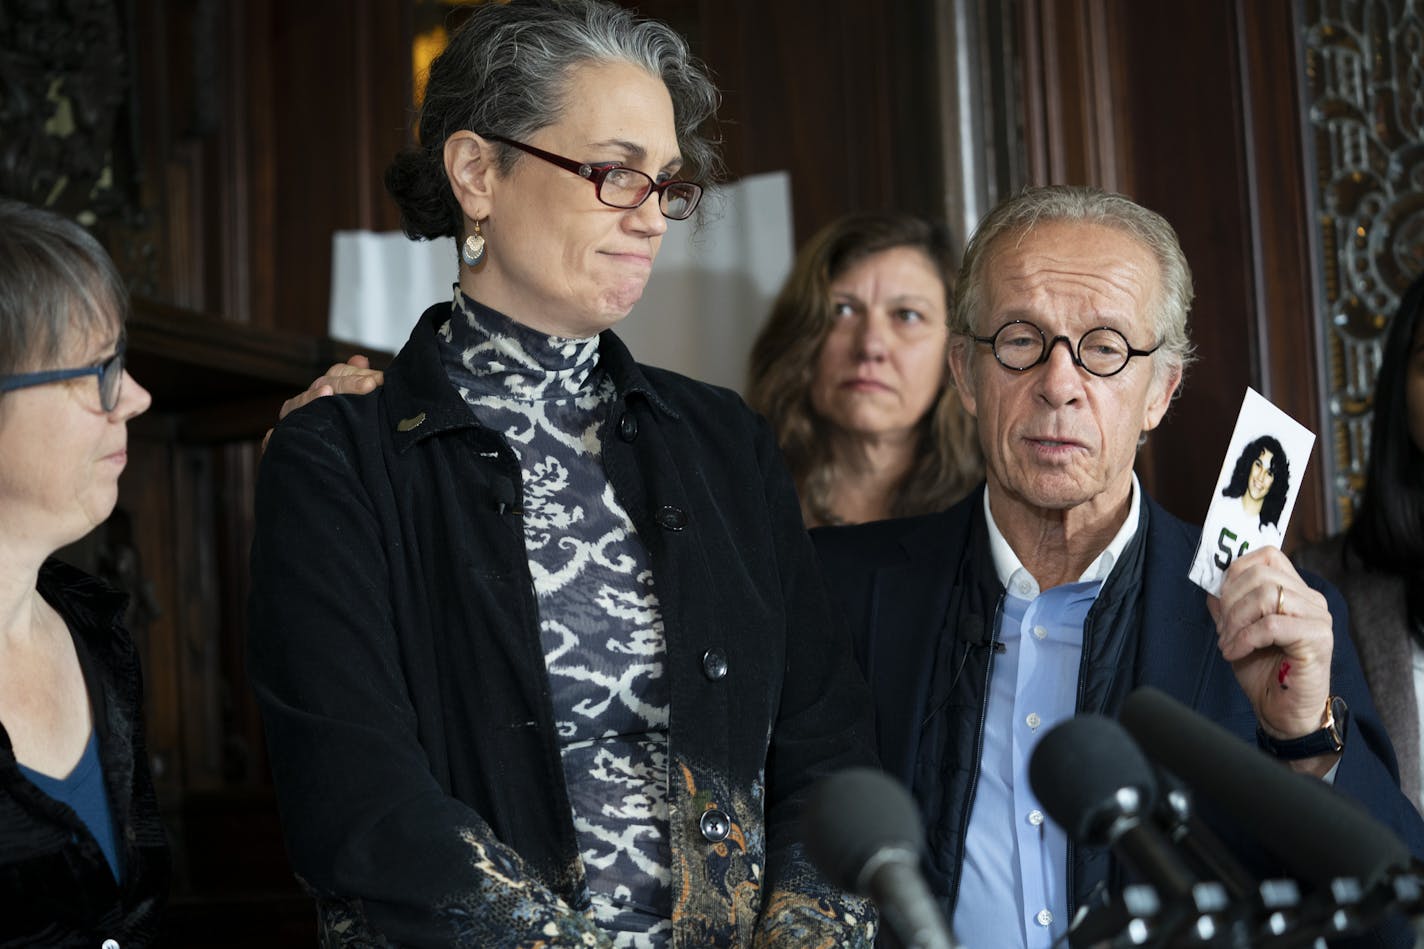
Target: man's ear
<point x="962" y="374"/>
<point x="469" y="165"/>
<point x="1161" y="397"/>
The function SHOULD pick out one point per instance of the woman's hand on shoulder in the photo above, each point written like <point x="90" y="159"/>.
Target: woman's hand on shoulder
<point x="352" y="377"/>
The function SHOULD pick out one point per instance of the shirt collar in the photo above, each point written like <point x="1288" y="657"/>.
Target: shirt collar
<point x="1016" y="578"/>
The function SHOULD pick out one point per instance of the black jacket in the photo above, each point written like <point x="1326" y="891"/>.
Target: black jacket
<point x="396" y="657"/>
<point x="920" y="595"/>
<point x="56" y="888"/>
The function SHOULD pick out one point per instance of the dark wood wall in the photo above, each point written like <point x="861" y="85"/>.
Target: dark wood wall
<point x="1193" y="110"/>
<point x="261" y="127"/>
<point x="842" y="94"/>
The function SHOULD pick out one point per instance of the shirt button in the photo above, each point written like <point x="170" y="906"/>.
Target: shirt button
<point x="714" y="664"/>
<point x="671" y="518"/>
<point x="1035" y="817"/>
<point x="1033" y="720"/>
<point x="110" y="944"/>
<point x="1043" y="917"/>
<point x="715" y="825"/>
<point x="1023" y="587"/>
<point x="628" y="427"/>
<point x="1040" y="632"/>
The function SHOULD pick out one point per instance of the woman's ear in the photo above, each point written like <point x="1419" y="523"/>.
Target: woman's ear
<point x="469" y="166"/>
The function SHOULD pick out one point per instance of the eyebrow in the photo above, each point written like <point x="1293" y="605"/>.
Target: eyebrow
<point x="1110" y="320"/>
<point x="636" y="152"/>
<point x="916" y="299"/>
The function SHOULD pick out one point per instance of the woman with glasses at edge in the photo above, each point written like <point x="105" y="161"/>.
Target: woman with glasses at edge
<point x="539" y="640"/>
<point x="84" y="860"/>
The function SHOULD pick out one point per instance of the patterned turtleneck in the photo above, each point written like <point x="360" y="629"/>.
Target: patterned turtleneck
<point x="600" y="623"/>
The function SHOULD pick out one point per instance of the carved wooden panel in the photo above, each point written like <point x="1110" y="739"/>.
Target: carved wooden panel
<point x="1364" y="79"/>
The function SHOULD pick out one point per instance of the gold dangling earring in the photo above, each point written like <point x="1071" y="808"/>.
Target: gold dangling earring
<point x="473" y="250"/>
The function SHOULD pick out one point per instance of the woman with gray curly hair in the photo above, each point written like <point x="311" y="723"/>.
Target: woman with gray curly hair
<point x="524" y="620"/>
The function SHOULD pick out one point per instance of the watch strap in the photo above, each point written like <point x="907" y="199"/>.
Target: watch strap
<point x="1328" y="740"/>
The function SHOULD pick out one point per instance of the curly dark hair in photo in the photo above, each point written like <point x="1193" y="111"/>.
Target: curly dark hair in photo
<point x="1388" y="529"/>
<point x="1275" y="500"/>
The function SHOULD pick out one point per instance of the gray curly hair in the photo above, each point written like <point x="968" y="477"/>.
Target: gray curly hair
<point x="506" y="72"/>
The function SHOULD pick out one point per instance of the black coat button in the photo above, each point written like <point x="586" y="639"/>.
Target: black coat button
<point x="672" y="518"/>
<point x="627" y="427"/>
<point x="715" y="825"/>
<point x="714" y="664"/>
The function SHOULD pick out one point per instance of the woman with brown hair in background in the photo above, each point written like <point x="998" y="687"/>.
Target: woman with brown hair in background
<point x="850" y="369"/>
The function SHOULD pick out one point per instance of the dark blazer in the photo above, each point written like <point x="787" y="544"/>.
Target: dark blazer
<point x="919" y="594"/>
<point x="56" y="888"/>
<point x="396" y="658"/>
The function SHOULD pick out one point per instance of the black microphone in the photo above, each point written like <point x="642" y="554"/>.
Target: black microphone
<point x="863" y="831"/>
<point x="1316" y="833"/>
<point x="1095" y="783"/>
<point x="1204" y="851"/>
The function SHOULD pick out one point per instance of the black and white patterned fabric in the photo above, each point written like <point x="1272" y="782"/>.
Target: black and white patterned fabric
<point x="599" y="620"/>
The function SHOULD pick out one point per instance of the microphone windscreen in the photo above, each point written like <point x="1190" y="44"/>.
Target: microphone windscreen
<point x="1316" y="832"/>
<point x="503" y="490"/>
<point x="1077" y="769"/>
<point x="851" y="816"/>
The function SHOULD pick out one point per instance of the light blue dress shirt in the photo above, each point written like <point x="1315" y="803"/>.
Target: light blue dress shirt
<point x="1012" y="890"/>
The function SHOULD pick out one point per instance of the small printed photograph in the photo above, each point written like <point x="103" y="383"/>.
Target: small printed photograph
<point x="1256" y="490"/>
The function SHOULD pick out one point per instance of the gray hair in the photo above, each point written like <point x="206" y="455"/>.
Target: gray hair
<point x="1020" y="214"/>
<point x="55" y="281"/>
<point x="506" y="72"/>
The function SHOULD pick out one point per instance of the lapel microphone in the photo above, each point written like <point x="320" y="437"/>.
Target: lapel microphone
<point x="505" y="499"/>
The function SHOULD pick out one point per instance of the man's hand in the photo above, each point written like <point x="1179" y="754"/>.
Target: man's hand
<point x="352" y="377"/>
<point x="1278" y="636"/>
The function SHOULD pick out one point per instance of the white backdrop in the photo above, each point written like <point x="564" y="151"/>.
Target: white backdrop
<point x="712" y="285"/>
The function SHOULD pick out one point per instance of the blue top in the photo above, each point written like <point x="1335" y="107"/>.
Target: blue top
<point x="83" y="790"/>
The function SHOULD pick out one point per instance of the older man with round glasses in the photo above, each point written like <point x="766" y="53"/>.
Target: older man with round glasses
<point x="1060" y="586"/>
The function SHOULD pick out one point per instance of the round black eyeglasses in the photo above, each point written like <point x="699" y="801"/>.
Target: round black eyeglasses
<point x="620" y="187"/>
<point x="1020" y="345"/>
<point x="110" y="373"/>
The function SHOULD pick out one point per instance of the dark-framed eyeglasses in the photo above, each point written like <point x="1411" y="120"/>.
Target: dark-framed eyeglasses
<point x="620" y="187"/>
<point x="110" y="374"/>
<point x="1020" y="345"/>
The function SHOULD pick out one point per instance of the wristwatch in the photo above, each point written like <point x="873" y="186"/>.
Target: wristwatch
<point x="1327" y="741"/>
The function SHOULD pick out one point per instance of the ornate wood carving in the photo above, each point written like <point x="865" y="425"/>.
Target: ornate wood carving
<point x="67" y="119"/>
<point x="1364" y="81"/>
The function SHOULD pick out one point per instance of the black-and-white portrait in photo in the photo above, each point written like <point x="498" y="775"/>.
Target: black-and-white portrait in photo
<point x="1256" y="489"/>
